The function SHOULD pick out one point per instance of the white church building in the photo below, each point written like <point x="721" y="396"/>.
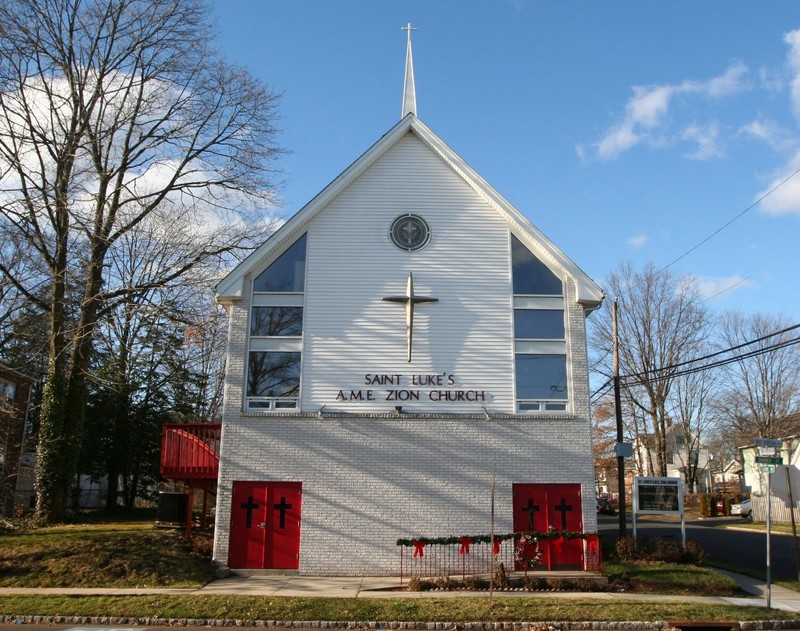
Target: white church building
<point x="402" y="336"/>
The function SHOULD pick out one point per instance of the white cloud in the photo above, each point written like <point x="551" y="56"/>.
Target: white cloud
<point x="707" y="139"/>
<point x="793" y="62"/>
<point x="637" y="240"/>
<point x="768" y="131"/>
<point x="731" y="82"/>
<point x="785" y="198"/>
<point x="648" y="114"/>
<point x="712" y="287"/>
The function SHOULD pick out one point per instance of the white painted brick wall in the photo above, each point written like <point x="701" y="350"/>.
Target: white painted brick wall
<point x="369" y="481"/>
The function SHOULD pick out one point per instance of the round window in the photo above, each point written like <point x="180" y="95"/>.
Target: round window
<point x="410" y="232"/>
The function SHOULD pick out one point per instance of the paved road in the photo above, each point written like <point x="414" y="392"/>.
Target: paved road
<point x="743" y="548"/>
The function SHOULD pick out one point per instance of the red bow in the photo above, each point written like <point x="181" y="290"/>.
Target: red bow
<point x="496" y="549"/>
<point x="465" y="541"/>
<point x="591" y="543"/>
<point x="419" y="544"/>
<point x="558" y="543"/>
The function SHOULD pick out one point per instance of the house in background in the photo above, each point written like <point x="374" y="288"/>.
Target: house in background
<point x="15" y="394"/>
<point x="682" y="462"/>
<point x="403" y="338"/>
<point x="727" y="479"/>
<point x="785" y="483"/>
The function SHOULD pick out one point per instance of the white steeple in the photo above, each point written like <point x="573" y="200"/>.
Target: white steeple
<point x="409" y="92"/>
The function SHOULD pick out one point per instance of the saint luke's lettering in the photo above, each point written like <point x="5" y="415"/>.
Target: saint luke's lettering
<point x="433" y="380"/>
<point x="382" y="380"/>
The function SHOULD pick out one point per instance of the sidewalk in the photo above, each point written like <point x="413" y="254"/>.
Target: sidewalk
<point x="387" y="587"/>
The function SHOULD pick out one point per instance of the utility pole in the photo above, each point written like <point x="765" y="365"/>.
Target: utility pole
<point x="623" y="525"/>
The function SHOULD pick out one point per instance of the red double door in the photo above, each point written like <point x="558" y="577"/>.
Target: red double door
<point x="265" y="525"/>
<point x="549" y="507"/>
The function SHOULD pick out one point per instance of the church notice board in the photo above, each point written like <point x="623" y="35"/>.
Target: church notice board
<point x="657" y="496"/>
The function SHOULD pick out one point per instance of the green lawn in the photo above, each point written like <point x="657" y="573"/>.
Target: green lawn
<point x="111" y="554"/>
<point x="361" y="609"/>
<point x="133" y="553"/>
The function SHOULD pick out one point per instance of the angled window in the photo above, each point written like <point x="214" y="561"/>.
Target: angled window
<point x="531" y="276"/>
<point x="287" y="273"/>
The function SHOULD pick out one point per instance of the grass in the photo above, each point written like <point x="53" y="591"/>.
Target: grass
<point x="251" y="608"/>
<point x="133" y="553"/>
<point x="103" y="554"/>
<point x="672" y="578"/>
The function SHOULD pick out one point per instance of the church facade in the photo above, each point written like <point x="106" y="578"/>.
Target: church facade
<point x="401" y="337"/>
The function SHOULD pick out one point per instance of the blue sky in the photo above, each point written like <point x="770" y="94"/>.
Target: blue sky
<point x="623" y="130"/>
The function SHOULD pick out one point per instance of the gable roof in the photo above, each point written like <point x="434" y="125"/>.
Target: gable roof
<point x="588" y="292"/>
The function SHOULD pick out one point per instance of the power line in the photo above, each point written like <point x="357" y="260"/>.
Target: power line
<point x="717" y="364"/>
<point x="715" y="354"/>
<point x="745" y="211"/>
<point x="674" y="370"/>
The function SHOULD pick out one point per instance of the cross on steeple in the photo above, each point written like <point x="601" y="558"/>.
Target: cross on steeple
<point x="409" y="91"/>
<point x="409" y="300"/>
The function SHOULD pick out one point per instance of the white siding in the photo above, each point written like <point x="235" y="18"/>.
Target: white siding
<point x="352" y="264"/>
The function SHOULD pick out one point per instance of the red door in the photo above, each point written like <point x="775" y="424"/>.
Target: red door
<point x="265" y="525"/>
<point x="546" y="508"/>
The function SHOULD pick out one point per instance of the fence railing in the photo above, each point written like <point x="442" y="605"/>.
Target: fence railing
<point x="456" y="559"/>
<point x="190" y="450"/>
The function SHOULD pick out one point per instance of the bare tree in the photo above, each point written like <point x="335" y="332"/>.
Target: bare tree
<point x="693" y="422"/>
<point x="662" y="322"/>
<point x="114" y="113"/>
<point x="761" y="390"/>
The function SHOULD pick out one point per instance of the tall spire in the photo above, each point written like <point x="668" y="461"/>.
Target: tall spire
<point x="409" y="91"/>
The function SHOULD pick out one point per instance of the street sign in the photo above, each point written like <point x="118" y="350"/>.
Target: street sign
<point x="769" y="460"/>
<point x="768" y="468"/>
<point x="768" y="442"/>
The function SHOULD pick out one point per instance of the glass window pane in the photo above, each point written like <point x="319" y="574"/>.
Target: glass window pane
<point x="273" y="374"/>
<point x="530" y="275"/>
<point x="268" y="321"/>
<point x="538" y="324"/>
<point x="287" y="273"/>
<point x="541" y="377"/>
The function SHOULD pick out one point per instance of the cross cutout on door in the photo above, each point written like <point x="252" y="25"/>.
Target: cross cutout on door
<point x="563" y="507"/>
<point x="282" y="507"/>
<point x="249" y="506"/>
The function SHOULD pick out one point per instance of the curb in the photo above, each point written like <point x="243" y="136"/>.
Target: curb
<point x="749" y="625"/>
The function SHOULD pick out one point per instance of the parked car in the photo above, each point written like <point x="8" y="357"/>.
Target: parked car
<point x="743" y="508"/>
<point x="605" y="506"/>
<point x="721" y="505"/>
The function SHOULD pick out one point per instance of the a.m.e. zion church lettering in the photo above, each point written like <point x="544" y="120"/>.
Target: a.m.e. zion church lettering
<point x="437" y="388"/>
<point x="361" y="410"/>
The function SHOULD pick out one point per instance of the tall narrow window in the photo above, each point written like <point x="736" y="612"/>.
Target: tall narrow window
<point x="276" y="329"/>
<point x="540" y="360"/>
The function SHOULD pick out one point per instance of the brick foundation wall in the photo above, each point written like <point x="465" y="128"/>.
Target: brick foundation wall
<point x="369" y="481"/>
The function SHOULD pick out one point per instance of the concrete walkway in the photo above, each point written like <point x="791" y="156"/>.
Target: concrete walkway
<point x="387" y="587"/>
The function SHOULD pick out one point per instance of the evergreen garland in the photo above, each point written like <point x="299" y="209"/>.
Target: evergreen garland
<point x="446" y="541"/>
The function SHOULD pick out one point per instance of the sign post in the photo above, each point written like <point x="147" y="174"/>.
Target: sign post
<point x="768" y="458"/>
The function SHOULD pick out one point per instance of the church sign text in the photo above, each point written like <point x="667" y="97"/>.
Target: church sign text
<point x="437" y="387"/>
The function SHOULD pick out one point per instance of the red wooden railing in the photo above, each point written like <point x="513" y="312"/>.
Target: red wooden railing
<point x="190" y="450"/>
